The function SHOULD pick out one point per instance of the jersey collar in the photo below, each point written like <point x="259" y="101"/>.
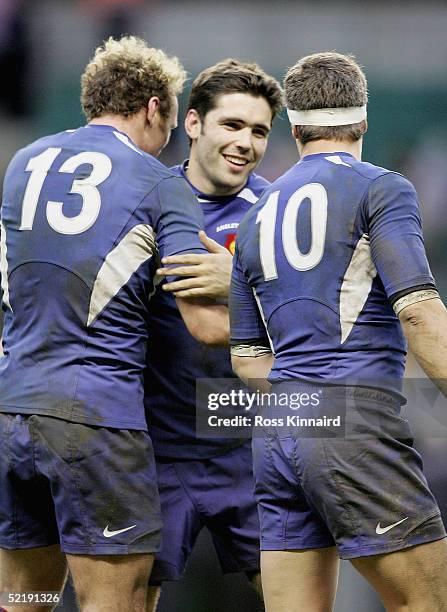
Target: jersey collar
<point x="312" y="156"/>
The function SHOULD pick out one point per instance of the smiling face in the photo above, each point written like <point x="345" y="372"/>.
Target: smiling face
<point x="228" y="144"/>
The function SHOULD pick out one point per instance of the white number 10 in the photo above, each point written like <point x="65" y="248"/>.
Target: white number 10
<point x="317" y="195"/>
<point x="85" y="187"/>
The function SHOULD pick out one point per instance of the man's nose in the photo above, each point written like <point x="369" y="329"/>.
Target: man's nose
<point x="244" y="140"/>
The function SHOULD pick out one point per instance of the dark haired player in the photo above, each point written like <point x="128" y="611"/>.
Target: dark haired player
<point x="207" y="482"/>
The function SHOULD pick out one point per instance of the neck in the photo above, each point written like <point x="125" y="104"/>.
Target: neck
<point x="331" y="146"/>
<point x="128" y="125"/>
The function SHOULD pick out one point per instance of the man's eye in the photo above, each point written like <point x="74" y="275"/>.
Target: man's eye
<point x="232" y="125"/>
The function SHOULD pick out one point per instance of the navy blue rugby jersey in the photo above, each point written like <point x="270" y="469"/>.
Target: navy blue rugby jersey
<point x="85" y="217"/>
<point x="175" y="358"/>
<point x="318" y="259"/>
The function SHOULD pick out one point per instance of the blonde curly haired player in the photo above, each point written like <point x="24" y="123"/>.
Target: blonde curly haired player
<point x="85" y="215"/>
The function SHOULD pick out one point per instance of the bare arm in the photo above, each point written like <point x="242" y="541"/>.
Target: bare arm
<point x="208" y="275"/>
<point x="425" y="327"/>
<point x="253" y="371"/>
<point x="206" y="321"/>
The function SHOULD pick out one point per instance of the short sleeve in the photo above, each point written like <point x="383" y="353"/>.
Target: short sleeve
<point x="395" y="232"/>
<point x="180" y="219"/>
<point x="246" y="324"/>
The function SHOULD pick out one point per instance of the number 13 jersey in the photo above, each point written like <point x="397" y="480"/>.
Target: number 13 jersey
<point x="320" y="259"/>
<point x="85" y="217"/>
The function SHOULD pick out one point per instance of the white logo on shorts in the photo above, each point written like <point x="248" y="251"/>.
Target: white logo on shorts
<point x="109" y="534"/>
<point x="381" y="530"/>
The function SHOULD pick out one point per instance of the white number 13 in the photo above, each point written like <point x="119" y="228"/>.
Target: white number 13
<point x="85" y="187"/>
<point x="317" y="195"/>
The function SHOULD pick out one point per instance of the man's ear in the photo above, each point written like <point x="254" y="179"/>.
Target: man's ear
<point x="153" y="106"/>
<point x="295" y="131"/>
<point x="193" y="124"/>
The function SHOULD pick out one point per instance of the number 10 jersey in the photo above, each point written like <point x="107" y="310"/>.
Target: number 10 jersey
<point x="319" y="259"/>
<point x="85" y="217"/>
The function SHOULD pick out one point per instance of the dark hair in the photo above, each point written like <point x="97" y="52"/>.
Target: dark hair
<point x="233" y="76"/>
<point x="326" y="80"/>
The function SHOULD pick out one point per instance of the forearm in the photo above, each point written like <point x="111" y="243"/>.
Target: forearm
<point x="206" y="321"/>
<point x="425" y="327"/>
<point x="253" y="371"/>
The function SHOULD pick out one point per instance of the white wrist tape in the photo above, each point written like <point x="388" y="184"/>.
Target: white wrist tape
<point x="327" y="116"/>
<point x="413" y="298"/>
<point x="249" y="350"/>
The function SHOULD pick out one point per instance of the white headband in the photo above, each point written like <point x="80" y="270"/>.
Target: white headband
<point x="327" y="116"/>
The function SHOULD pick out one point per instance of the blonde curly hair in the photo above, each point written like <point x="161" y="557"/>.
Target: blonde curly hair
<point x="124" y="74"/>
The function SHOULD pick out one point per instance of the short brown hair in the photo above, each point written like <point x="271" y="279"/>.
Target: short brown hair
<point x="233" y="76"/>
<point x="326" y="80"/>
<point x="124" y="74"/>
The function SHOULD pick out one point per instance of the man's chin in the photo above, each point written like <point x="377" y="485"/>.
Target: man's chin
<point x="229" y="185"/>
<point x="235" y="177"/>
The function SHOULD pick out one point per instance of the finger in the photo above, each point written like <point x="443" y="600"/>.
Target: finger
<point x="190" y="258"/>
<point x="189" y="293"/>
<point x="189" y="283"/>
<point x="210" y="244"/>
<point x="187" y="271"/>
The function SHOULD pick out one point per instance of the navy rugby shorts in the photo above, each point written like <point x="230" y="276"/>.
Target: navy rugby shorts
<point x="92" y="490"/>
<point x="360" y="487"/>
<point x="216" y="493"/>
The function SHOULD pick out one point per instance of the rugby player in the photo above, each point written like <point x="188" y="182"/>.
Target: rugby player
<point x="332" y="260"/>
<point x="202" y="481"/>
<point x="86" y="214"/>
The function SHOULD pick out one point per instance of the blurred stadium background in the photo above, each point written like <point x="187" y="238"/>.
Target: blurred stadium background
<point x="45" y="44"/>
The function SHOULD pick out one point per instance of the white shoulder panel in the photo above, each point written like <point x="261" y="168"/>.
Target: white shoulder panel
<point x="134" y="249"/>
<point x="261" y="311"/>
<point x="4" y="267"/>
<point x="356" y="286"/>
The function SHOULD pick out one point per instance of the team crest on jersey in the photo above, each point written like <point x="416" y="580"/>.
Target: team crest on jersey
<point x="230" y="242"/>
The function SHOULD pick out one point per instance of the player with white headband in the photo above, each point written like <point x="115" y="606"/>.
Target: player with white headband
<point x="329" y="270"/>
